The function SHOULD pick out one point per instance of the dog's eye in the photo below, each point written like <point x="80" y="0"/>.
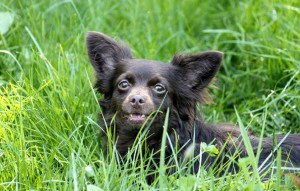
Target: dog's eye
<point x="159" y="88"/>
<point x="124" y="85"/>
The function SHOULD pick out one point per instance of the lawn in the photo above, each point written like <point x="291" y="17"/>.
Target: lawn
<point x="48" y="108"/>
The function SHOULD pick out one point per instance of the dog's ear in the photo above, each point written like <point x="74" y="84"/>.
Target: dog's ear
<point x="105" y="54"/>
<point x="198" y="70"/>
<point x="194" y="73"/>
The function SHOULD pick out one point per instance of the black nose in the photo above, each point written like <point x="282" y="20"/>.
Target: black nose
<point x="137" y="100"/>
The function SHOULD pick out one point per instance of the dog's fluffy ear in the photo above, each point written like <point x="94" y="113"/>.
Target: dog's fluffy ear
<point x="194" y="73"/>
<point x="105" y="54"/>
<point x="198" y="70"/>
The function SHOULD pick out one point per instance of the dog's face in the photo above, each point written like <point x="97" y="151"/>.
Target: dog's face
<point x="137" y="88"/>
<point x="141" y="88"/>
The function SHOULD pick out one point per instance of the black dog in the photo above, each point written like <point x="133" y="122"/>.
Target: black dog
<point x="135" y="89"/>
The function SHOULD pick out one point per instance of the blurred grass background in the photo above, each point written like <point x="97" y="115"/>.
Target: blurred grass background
<point x="48" y="110"/>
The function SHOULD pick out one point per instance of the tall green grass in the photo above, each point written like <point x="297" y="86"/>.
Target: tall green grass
<point x="48" y="108"/>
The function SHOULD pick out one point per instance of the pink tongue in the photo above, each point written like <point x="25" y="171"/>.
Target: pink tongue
<point x="137" y="118"/>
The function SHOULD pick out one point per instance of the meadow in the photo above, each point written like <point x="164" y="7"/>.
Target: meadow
<point x="48" y="107"/>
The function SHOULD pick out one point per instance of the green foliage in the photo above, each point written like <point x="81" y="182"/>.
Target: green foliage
<point x="211" y="150"/>
<point x="48" y="109"/>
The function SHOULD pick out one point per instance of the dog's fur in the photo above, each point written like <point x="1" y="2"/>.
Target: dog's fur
<point x="136" y="89"/>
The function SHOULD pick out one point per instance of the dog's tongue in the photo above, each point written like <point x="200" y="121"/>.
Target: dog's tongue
<point x="137" y="118"/>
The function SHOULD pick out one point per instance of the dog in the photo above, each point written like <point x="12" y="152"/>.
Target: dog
<point x="140" y="92"/>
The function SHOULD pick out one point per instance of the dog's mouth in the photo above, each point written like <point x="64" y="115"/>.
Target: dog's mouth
<point x="136" y="118"/>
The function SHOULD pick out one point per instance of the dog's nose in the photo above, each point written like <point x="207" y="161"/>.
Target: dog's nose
<point x="137" y="100"/>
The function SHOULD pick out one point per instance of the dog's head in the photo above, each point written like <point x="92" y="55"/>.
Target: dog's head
<point x="136" y="88"/>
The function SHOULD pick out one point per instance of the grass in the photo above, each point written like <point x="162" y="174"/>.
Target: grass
<point x="48" y="109"/>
